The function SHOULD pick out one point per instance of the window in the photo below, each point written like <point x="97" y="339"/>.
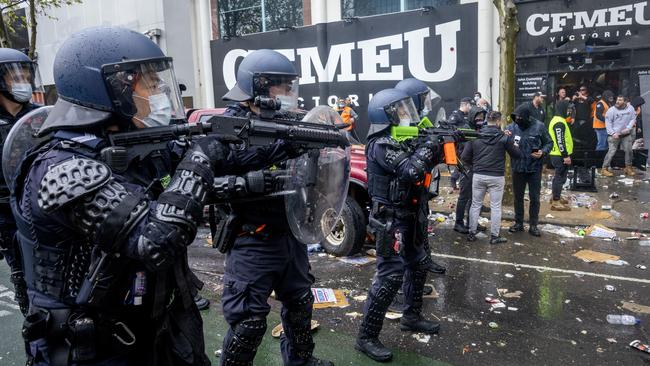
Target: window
<point x="361" y="8"/>
<point x="239" y="17"/>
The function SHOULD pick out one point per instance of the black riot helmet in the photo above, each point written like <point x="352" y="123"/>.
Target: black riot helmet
<point x="113" y="74"/>
<point x="263" y="77"/>
<point x="19" y="76"/>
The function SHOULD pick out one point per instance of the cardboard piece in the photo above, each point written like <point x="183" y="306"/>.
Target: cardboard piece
<point x="600" y="231"/>
<point x="328" y="298"/>
<point x="277" y="331"/>
<point x="593" y="256"/>
<point x="636" y="308"/>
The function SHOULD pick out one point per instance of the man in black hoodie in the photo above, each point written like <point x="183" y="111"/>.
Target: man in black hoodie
<point x="476" y="120"/>
<point x="487" y="157"/>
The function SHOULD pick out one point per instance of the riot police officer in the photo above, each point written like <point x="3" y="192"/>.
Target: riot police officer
<point x="265" y="255"/>
<point x="104" y="248"/>
<point x="18" y="79"/>
<point x="398" y="219"/>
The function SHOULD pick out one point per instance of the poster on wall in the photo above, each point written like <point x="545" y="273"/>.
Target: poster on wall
<point x="581" y="25"/>
<point x="359" y="57"/>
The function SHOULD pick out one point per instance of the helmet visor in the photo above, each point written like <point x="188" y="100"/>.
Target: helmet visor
<point x="146" y="91"/>
<point x="21" y="77"/>
<point x="402" y="113"/>
<point x="279" y="86"/>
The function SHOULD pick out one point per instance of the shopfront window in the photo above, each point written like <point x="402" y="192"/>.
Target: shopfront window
<point x="240" y="17"/>
<point x="361" y="8"/>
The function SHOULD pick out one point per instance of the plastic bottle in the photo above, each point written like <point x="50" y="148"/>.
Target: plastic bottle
<point x="622" y="319"/>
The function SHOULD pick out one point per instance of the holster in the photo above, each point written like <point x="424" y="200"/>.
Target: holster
<point x="380" y="225"/>
<point x="227" y="233"/>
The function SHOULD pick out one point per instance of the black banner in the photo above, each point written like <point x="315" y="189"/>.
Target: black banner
<point x="362" y="56"/>
<point x="581" y="25"/>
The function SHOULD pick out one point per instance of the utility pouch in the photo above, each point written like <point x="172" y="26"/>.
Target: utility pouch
<point x="380" y="224"/>
<point x="227" y="233"/>
<point x="82" y="334"/>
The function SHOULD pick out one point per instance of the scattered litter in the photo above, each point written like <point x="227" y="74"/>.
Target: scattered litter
<point x="593" y="256"/>
<point x="600" y="231"/>
<point x="437" y="217"/>
<point x="493" y="325"/>
<point x="322" y="255"/>
<point x="498" y="305"/>
<point x="549" y="216"/>
<point x="329" y="298"/>
<point x="432" y="295"/>
<point x="512" y="308"/>
<point x="567" y="301"/>
<point x="509" y="275"/>
<point x="555" y="229"/>
<point x="635" y="308"/>
<point x="627" y="181"/>
<point x="358" y="261"/>
<point x="218" y="352"/>
<point x="518" y="243"/>
<point x="600" y="350"/>
<point x="424" y="338"/>
<point x="644" y="243"/>
<point x="598" y="215"/>
<point x="611" y="340"/>
<point x="643" y="215"/>
<point x="579" y="320"/>
<point x="640" y="346"/>
<point x="613" y="195"/>
<point x="610" y="288"/>
<point x="583" y="332"/>
<point x="277" y="331"/>
<point x="641" y="266"/>
<point x="372" y="252"/>
<point x="584" y="200"/>
<point x="582" y="233"/>
<point x="481" y="235"/>
<point x="314" y="248"/>
<point x="606" y="207"/>
<point x="354" y="314"/>
<point x="393" y="316"/>
<point x="622" y="319"/>
<point x="360" y="298"/>
<point x="512" y="295"/>
<point x="491" y="300"/>
<point x="618" y="262"/>
<point x="574" y="343"/>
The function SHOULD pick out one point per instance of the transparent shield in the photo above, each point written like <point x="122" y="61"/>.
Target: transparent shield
<point x="403" y="112"/>
<point x="319" y="182"/>
<point x="20" y="140"/>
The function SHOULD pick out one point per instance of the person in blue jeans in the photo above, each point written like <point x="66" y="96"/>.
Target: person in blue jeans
<point x="606" y="101"/>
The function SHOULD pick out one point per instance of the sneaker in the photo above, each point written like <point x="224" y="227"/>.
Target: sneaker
<point x="556" y="205"/>
<point x="497" y="240"/>
<point x="606" y="173"/>
<point x="516" y="228"/>
<point x="471" y="236"/>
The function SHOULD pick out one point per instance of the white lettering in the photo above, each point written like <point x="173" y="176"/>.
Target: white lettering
<point x="448" y="52"/>
<point x="229" y="61"/>
<point x="559" y="21"/>
<point x="617" y="15"/>
<point x="598" y="19"/>
<point x="371" y="58"/>
<point x="338" y="52"/>
<point x="639" y="13"/>
<point x="316" y="101"/>
<point x="354" y="99"/>
<point x="572" y="38"/>
<point x="332" y="99"/>
<point x="606" y="35"/>
<point x="530" y="24"/>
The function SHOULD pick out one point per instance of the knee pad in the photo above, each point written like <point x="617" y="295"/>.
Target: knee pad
<point x="242" y="341"/>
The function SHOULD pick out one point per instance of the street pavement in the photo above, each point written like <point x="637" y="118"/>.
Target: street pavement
<point x="556" y="304"/>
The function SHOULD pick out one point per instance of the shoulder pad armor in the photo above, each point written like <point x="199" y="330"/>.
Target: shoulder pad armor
<point x="69" y="180"/>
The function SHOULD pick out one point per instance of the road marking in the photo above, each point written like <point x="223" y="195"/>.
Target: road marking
<point x="542" y="268"/>
<point x="5" y="313"/>
<point x="9" y="305"/>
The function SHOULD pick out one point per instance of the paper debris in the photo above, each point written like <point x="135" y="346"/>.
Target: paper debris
<point x="600" y="231"/>
<point x="424" y="338"/>
<point x="393" y="316"/>
<point x="593" y="256"/>
<point x="329" y="298"/>
<point x="277" y="331"/>
<point x="360" y="298"/>
<point x="637" y="308"/>
<point x="354" y="315"/>
<point x="358" y="261"/>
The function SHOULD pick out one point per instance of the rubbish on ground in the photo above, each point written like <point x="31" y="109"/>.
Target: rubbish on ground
<point x="481" y="235"/>
<point x="555" y="229"/>
<point x="627" y="181"/>
<point x="314" y="248"/>
<point x="329" y="298"/>
<point x="510" y="295"/>
<point x="432" y="295"/>
<point x="354" y="314"/>
<point x="593" y="256"/>
<point x="618" y="262"/>
<point x="393" y="315"/>
<point x="438" y="217"/>
<point x="613" y="195"/>
<point x="644" y="243"/>
<point x="424" y="338"/>
<point x="610" y="288"/>
<point x="598" y="215"/>
<point x="635" y="308"/>
<point x="574" y="343"/>
<point x="360" y="298"/>
<point x="640" y="346"/>
<point x="606" y="207"/>
<point x="600" y="350"/>
<point x="512" y="308"/>
<point x="492" y="300"/>
<point x="584" y="200"/>
<point x="518" y="243"/>
<point x="615" y="213"/>
<point x="549" y="216"/>
<point x="611" y="340"/>
<point x="218" y="352"/>
<point x="583" y="332"/>
<point x="277" y="331"/>
<point x="582" y="232"/>
<point x="358" y="261"/>
<point x="622" y="319"/>
<point x="643" y="215"/>
<point x="579" y="320"/>
<point x="372" y="252"/>
<point x="498" y="305"/>
<point x="493" y="325"/>
<point x="322" y="255"/>
<point x="600" y="231"/>
<point x="567" y="301"/>
<point x="509" y="275"/>
<point x="641" y="266"/>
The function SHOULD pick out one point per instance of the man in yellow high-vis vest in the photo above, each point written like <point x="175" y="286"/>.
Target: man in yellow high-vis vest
<point x="560" y="133"/>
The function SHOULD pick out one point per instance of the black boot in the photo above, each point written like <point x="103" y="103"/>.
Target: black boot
<point x="497" y="240"/>
<point x="461" y="228"/>
<point x="516" y="228"/>
<point x="201" y="302"/>
<point x="373" y="320"/>
<point x="534" y="231"/>
<point x="318" y="362"/>
<point x="471" y="236"/>
<point x="436" y="268"/>
<point x="415" y="323"/>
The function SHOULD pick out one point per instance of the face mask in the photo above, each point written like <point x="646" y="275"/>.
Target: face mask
<point x="287" y="103"/>
<point x="160" y="110"/>
<point x="22" y="92"/>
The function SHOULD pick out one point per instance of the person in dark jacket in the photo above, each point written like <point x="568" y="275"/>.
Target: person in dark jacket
<point x="476" y="120"/>
<point x="460" y="119"/>
<point x="487" y="157"/>
<point x="534" y="142"/>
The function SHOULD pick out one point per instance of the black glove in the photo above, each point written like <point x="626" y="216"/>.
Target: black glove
<point x="260" y="181"/>
<point x="215" y="147"/>
<point x="20" y="291"/>
<point x="427" y="152"/>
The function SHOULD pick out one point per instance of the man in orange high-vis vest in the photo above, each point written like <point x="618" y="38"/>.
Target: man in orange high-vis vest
<point x="599" y="119"/>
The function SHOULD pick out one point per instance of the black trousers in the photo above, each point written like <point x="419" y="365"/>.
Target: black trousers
<point x="464" y="198"/>
<point x="559" y="178"/>
<point x="534" y="182"/>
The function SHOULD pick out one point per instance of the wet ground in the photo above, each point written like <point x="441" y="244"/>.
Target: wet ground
<point x="556" y="304"/>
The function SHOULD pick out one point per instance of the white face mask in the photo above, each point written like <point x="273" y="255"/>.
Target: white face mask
<point x="22" y="92"/>
<point x="160" y="110"/>
<point x="287" y="103"/>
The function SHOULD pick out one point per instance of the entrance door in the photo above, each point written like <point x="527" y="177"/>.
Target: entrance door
<point x="644" y="91"/>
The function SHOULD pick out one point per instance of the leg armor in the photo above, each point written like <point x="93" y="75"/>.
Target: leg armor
<point x="241" y="342"/>
<point x="373" y="319"/>
<point x="414" y="290"/>
<point x="296" y="320"/>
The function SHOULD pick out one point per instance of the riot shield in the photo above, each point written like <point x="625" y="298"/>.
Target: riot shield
<point x="319" y="181"/>
<point x="20" y="140"/>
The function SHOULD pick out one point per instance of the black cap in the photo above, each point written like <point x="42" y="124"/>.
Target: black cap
<point x="467" y="100"/>
<point x="539" y="94"/>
